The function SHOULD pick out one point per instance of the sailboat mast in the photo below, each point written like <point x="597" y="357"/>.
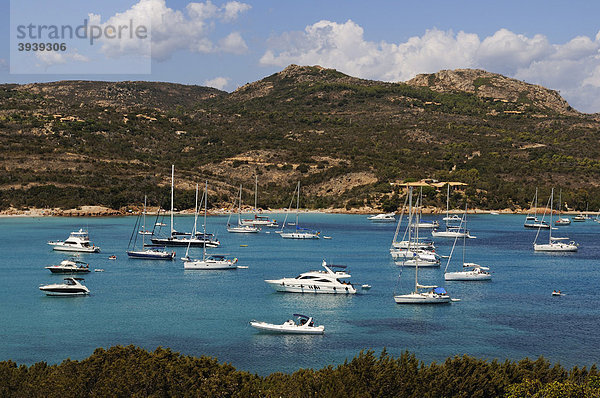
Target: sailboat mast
<point x="240" y="207"/>
<point x="172" y="183"/>
<point x="464" y="235"/>
<point x="535" y="208"/>
<point x="195" y="214"/>
<point x="204" y="224"/>
<point x="144" y="227"/>
<point x="551" y="211"/>
<point x="297" y="204"/>
<point x="255" y="193"/>
<point x="448" y="204"/>
<point x="417" y="240"/>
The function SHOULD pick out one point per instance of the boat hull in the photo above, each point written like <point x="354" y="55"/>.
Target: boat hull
<point x="295" y="287"/>
<point x="61" y="270"/>
<point x="298" y="235"/>
<point x="420" y="298"/>
<point x="208" y="265"/>
<point x="287" y="329"/>
<point x="66" y="248"/>
<point x="556" y="248"/>
<point x="145" y="255"/>
<point x="467" y="276"/>
<point x="184" y="242"/>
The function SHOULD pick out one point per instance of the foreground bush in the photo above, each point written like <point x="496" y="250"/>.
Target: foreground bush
<point x="134" y="372"/>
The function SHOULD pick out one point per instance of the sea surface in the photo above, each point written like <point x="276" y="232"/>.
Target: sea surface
<point x="157" y="303"/>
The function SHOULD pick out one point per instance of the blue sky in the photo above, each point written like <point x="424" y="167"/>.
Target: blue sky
<point x="228" y="43"/>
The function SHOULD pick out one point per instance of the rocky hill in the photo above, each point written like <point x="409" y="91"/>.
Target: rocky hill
<point x="493" y="86"/>
<point x="350" y="141"/>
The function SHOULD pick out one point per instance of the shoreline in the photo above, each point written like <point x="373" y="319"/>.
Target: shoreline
<point x="101" y="211"/>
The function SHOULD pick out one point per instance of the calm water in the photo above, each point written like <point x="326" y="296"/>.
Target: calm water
<point x="152" y="304"/>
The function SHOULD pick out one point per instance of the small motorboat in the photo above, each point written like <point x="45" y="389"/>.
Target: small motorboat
<point x="69" y="267"/>
<point x="71" y="287"/>
<point x="557" y="293"/>
<point x="304" y="325"/>
<point x="112" y="257"/>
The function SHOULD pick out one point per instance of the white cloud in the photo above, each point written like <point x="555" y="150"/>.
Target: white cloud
<point x="573" y="68"/>
<point x="217" y="82"/>
<point x="233" y="43"/>
<point x="50" y="58"/>
<point x="233" y="9"/>
<point x="173" y="30"/>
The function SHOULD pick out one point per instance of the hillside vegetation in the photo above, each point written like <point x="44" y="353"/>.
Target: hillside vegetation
<point x="133" y="372"/>
<point x="349" y="141"/>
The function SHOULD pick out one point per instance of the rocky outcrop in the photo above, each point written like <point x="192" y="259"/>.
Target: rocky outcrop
<point x="493" y="86"/>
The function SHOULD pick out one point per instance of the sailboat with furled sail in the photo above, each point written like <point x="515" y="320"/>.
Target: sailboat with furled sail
<point x="240" y="228"/>
<point x="177" y="238"/>
<point x="298" y="233"/>
<point x="554" y="244"/>
<point x="147" y="252"/>
<point x="422" y="294"/>
<point x="258" y="220"/>
<point x="212" y="262"/>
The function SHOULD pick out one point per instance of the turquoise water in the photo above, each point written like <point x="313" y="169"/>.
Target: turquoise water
<point x="152" y="304"/>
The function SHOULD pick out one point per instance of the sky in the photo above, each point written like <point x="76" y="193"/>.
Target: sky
<point x="226" y="44"/>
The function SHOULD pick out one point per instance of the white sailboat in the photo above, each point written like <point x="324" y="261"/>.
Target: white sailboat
<point x="240" y="228"/>
<point x="298" y="233"/>
<point x="147" y="252"/>
<point x="561" y="220"/>
<point x="258" y="220"/>
<point x="413" y="255"/>
<point x="531" y="221"/>
<point x="212" y="262"/>
<point x="554" y="244"/>
<point x="183" y="238"/>
<point x="452" y="230"/>
<point x="433" y="295"/>
<point x="470" y="271"/>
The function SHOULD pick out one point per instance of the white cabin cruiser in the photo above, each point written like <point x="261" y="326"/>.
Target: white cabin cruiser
<point x="327" y="281"/>
<point x="78" y="241"/>
<point x="304" y="325"/>
<point x="69" y="267"/>
<point x="71" y="287"/>
<point x="384" y="217"/>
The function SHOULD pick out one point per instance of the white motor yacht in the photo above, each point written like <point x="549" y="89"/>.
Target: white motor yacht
<point x="78" y="241"/>
<point x="304" y="325"/>
<point x="69" y="267"/>
<point x="260" y="221"/>
<point x="384" y="217"/>
<point x="327" y="281"/>
<point x="71" y="287"/>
